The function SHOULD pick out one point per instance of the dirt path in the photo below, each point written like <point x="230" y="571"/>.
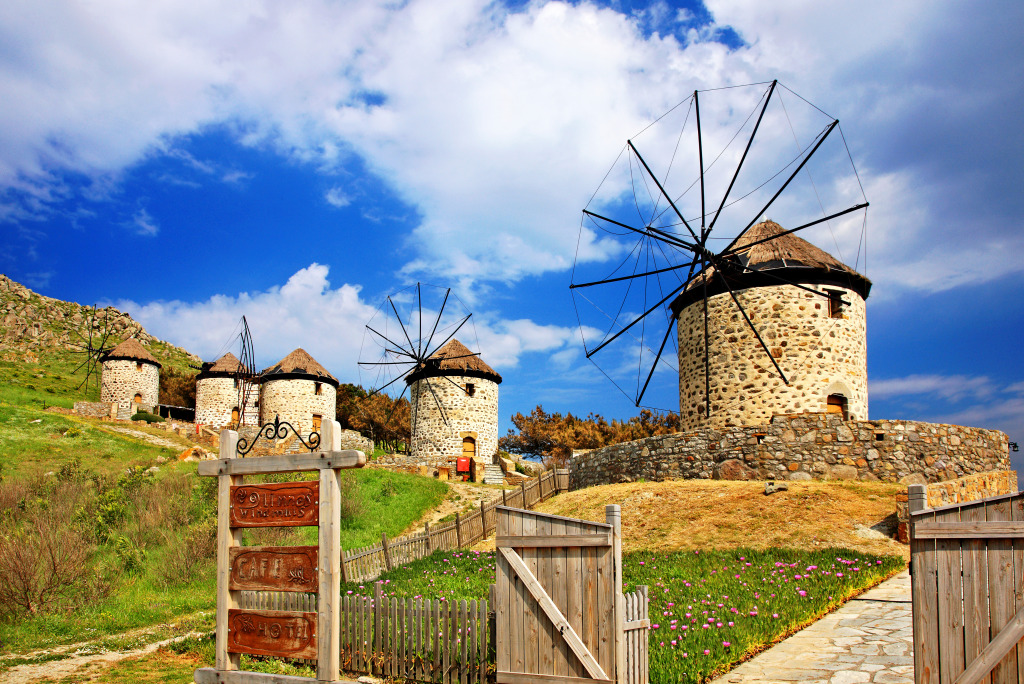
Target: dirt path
<point x="145" y="436"/>
<point x="63" y="661"/>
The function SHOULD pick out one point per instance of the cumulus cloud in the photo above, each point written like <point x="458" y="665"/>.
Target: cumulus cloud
<point x="328" y="322"/>
<point x="496" y="124"/>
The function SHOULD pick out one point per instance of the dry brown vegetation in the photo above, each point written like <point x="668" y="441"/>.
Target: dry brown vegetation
<point x="703" y="514"/>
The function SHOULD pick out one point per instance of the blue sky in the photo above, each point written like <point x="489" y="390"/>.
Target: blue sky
<point x="193" y="162"/>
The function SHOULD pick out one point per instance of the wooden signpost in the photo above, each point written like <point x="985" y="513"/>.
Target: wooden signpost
<point x="282" y="633"/>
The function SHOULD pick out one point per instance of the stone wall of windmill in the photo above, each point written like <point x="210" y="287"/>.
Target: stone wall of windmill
<point x="468" y="409"/>
<point x="297" y="401"/>
<point x="218" y="402"/>
<point x="823" y="354"/>
<point x="130" y="378"/>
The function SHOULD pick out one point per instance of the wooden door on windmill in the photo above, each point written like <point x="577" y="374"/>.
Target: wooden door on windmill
<point x="555" y="596"/>
<point x="468" y="447"/>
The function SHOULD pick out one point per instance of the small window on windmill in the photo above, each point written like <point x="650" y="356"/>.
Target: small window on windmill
<point x="879" y="436"/>
<point x="318" y="388"/>
<point x="836" y="404"/>
<point x="835" y="303"/>
<point x="759" y="436"/>
<point x="236" y="383"/>
<point x="317" y="420"/>
<point x="138" y="365"/>
<point x="470" y="389"/>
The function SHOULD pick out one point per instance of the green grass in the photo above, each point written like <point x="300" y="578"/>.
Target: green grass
<point x="386" y="500"/>
<point x="748" y="599"/>
<point x="29" y="447"/>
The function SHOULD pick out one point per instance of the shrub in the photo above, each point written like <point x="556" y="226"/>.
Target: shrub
<point x="73" y="431"/>
<point x="44" y="562"/>
<point x="148" y="417"/>
<point x="131" y="556"/>
<point x="187" y="555"/>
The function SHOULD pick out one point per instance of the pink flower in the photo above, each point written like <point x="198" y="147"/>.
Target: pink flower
<point x="726" y="644"/>
<point x="707" y="652"/>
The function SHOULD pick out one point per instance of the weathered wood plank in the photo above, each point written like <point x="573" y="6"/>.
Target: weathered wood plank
<point x="277" y="504"/>
<point x="949" y="607"/>
<point x="971" y="529"/>
<point x="574" y="597"/>
<point x="273" y="568"/>
<point x="559" y="594"/>
<point x="554" y="615"/>
<point x="284" y="634"/>
<point x="329" y="575"/>
<point x="287" y="463"/>
<point x="1000" y="648"/>
<point x="227" y="538"/>
<point x="975" y="588"/>
<point x="613" y="514"/>
<point x="556" y="540"/>
<point x="209" y="675"/>
<point x="587" y="524"/>
<point x="520" y="678"/>
<point x="1000" y="590"/>
<point x="924" y="594"/>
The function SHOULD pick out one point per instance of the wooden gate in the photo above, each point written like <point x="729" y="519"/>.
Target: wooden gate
<point x="560" y="612"/>
<point x="967" y="579"/>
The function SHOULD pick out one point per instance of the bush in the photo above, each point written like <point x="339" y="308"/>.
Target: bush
<point x="44" y="562"/>
<point x="187" y="555"/>
<point x="148" y="417"/>
<point x="73" y="431"/>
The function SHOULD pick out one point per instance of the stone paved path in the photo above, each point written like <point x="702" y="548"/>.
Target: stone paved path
<point x="869" y="639"/>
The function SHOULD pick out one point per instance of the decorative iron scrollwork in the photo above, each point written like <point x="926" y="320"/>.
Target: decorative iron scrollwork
<point x="276" y="430"/>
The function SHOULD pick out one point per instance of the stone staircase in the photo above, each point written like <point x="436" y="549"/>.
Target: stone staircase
<point x="493" y="474"/>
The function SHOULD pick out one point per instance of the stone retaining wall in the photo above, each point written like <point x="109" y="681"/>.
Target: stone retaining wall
<point x="801" y="447"/>
<point x="96" y="409"/>
<point x="961" y="490"/>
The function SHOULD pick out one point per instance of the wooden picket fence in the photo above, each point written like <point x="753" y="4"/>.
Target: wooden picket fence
<point x="636" y="632"/>
<point x="369" y="563"/>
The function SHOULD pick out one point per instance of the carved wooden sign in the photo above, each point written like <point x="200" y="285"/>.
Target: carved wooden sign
<point x="273" y="568"/>
<point x="283" y="633"/>
<point x="282" y="504"/>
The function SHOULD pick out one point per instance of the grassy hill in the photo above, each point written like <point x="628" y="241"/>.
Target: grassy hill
<point x="37" y="346"/>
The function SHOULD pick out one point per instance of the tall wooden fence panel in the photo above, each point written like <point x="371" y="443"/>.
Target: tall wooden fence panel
<point x="967" y="579"/>
<point x="560" y="614"/>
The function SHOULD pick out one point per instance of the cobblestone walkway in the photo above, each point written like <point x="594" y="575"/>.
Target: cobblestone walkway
<point x="869" y="639"/>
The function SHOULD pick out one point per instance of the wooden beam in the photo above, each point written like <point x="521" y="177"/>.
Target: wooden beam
<point x="522" y="678"/>
<point x="996" y="650"/>
<point x="328" y="620"/>
<point x="555" y="540"/>
<point x="554" y="614"/>
<point x="288" y="463"/>
<point x="208" y="675"/>
<point x="969" y="530"/>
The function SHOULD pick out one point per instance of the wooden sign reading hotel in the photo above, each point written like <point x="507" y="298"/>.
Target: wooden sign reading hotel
<point x="282" y="633"/>
<point x="282" y="504"/>
<point x="273" y="568"/>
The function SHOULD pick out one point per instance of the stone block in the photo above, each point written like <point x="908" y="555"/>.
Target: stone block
<point x="733" y="469"/>
<point x="843" y="472"/>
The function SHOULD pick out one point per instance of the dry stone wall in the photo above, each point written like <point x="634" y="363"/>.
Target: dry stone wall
<point x="96" y="409"/>
<point x="820" y="356"/>
<point x="123" y="379"/>
<point x="295" y="400"/>
<point x="217" y="397"/>
<point x="473" y="416"/>
<point x="801" y="447"/>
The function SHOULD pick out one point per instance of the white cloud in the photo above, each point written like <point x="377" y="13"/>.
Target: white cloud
<point x="328" y="322"/>
<point x="336" y="197"/>
<point x="497" y="125"/>
<point x="144" y="224"/>
<point x="950" y="387"/>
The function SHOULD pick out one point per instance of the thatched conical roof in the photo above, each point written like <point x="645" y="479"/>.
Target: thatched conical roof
<point x="131" y="350"/>
<point x="225" y="367"/>
<point x="454" y="358"/>
<point x="765" y="255"/>
<point x="298" y="365"/>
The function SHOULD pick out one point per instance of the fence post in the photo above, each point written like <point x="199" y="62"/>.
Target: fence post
<point x="483" y="520"/>
<point x="613" y="516"/>
<point x="917" y="497"/>
<point x="387" y="554"/>
<point x="426" y="531"/>
<point x="522" y="487"/>
<point x="344" y="573"/>
<point x="458" y="531"/>
<point x="378" y="647"/>
<point x="504" y="499"/>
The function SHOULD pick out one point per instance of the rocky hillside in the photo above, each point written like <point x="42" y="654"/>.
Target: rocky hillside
<point x="34" y="326"/>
